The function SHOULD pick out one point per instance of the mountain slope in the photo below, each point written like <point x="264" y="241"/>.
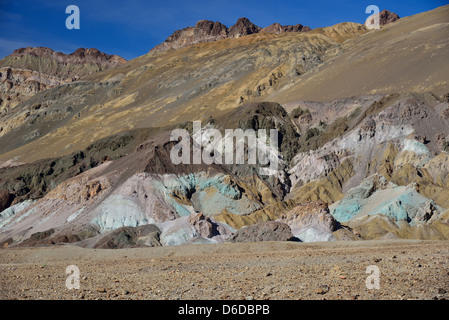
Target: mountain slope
<point x="408" y="55"/>
<point x="163" y="88"/>
<point x="209" y="78"/>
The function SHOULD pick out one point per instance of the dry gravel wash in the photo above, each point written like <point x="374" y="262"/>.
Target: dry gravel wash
<point x="266" y="270"/>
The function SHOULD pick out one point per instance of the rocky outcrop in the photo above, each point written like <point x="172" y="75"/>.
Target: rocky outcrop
<point x="382" y="227"/>
<point x="203" y="31"/>
<point x="277" y="28"/>
<point x="208" y="31"/>
<point x="192" y="229"/>
<point x="17" y="85"/>
<point x="264" y="231"/>
<point x="377" y="196"/>
<point x="311" y="221"/>
<point x="385" y="17"/>
<point x="376" y="140"/>
<point x="38" y="238"/>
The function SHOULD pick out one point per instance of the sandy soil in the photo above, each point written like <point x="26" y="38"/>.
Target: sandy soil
<point x="268" y="270"/>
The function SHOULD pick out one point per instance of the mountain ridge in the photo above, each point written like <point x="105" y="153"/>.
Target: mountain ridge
<point x="208" y="31"/>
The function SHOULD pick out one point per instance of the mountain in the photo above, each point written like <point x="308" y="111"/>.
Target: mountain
<point x="363" y="140"/>
<point x="28" y="71"/>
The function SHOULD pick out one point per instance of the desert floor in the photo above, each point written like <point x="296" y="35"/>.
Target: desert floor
<point x="263" y="270"/>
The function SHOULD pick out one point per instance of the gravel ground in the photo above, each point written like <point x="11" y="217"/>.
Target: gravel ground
<point x="263" y="270"/>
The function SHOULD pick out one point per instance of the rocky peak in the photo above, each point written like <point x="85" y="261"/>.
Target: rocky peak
<point x="297" y="28"/>
<point x="96" y="56"/>
<point x="388" y="17"/>
<point x="203" y="31"/>
<point x="243" y="27"/>
<point x="385" y="17"/>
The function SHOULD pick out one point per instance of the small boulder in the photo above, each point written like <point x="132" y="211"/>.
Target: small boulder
<point x="311" y="221"/>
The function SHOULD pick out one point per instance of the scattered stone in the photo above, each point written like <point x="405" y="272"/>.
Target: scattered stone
<point x="323" y="289"/>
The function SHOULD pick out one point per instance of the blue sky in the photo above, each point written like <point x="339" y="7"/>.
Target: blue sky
<point x="130" y="28"/>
